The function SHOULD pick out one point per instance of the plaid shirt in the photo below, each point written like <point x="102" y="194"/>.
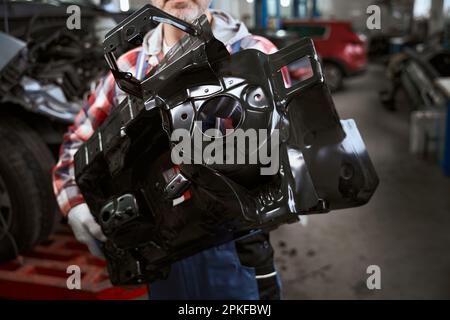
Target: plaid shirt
<point x="98" y="106"/>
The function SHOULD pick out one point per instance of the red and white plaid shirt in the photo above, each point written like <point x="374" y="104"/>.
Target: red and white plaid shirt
<point x="99" y="104"/>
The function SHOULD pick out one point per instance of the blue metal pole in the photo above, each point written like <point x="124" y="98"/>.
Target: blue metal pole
<point x="296" y="7"/>
<point x="278" y="14"/>
<point x="260" y="14"/>
<point x="264" y="14"/>
<point x="305" y="8"/>
<point x="316" y="12"/>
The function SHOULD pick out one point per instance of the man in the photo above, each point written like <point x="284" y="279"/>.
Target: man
<point x="237" y="270"/>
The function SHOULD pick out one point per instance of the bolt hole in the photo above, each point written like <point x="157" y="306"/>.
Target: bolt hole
<point x="347" y="171"/>
<point x="184" y="116"/>
<point x="130" y="31"/>
<point x="106" y="215"/>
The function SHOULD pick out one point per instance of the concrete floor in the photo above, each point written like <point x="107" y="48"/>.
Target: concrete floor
<point x="405" y="229"/>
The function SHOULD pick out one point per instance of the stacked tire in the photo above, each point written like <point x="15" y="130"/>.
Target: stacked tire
<point x="28" y="209"/>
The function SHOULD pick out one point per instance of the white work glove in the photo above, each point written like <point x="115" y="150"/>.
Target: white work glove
<point x="85" y="228"/>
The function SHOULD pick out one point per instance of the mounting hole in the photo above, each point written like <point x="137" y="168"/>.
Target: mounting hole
<point x="130" y="31"/>
<point x="347" y="171"/>
<point x="106" y="216"/>
<point x="222" y="113"/>
<point x="256" y="98"/>
<point x="184" y="116"/>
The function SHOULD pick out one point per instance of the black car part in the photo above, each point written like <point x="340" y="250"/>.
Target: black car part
<point x="57" y="67"/>
<point x="416" y="72"/>
<point x="47" y="78"/>
<point x="154" y="212"/>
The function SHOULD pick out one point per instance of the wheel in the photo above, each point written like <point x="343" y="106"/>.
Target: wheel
<point x="5" y="221"/>
<point x="334" y="76"/>
<point x="27" y="205"/>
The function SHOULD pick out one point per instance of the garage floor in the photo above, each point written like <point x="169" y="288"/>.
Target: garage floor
<point x="405" y="229"/>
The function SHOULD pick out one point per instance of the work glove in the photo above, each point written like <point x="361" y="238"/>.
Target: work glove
<point x="86" y="229"/>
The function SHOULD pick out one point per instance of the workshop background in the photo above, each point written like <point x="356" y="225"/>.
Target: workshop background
<point x="388" y="65"/>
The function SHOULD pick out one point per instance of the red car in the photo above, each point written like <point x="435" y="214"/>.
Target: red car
<point x="343" y="52"/>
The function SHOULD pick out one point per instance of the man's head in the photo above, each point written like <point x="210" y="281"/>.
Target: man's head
<point x="187" y="10"/>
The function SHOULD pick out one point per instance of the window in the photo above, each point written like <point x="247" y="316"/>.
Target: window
<point x="422" y="8"/>
<point x="447" y="8"/>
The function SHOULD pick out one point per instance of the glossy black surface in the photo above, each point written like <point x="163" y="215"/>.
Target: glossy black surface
<point x="171" y="212"/>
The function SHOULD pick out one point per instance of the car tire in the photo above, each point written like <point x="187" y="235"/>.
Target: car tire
<point x="27" y="205"/>
<point x="334" y="76"/>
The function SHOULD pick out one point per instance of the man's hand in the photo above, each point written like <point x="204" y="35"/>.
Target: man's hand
<point x="85" y="229"/>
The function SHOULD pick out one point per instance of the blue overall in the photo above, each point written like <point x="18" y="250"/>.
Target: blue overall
<point x="215" y="273"/>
